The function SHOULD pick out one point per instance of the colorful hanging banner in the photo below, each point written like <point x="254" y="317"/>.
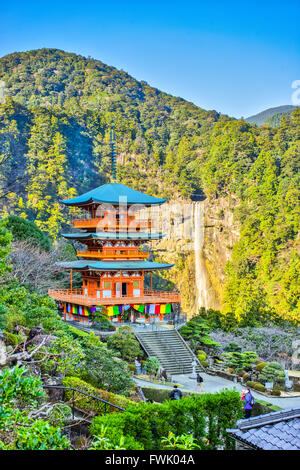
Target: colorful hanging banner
<point x="78" y="310"/>
<point x="113" y="310"/>
<point x="168" y="308"/>
<point x="139" y="308"/>
<point x="151" y="309"/>
<point x="158" y="309"/>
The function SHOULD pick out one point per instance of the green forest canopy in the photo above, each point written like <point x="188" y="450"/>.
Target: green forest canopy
<point x="54" y="134"/>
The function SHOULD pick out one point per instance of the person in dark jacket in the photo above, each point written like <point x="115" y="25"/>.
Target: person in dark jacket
<point x="163" y="374"/>
<point x="175" y="394"/>
<point x="199" y="382"/>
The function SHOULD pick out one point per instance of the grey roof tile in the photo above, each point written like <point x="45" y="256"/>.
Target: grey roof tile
<point x="275" y="431"/>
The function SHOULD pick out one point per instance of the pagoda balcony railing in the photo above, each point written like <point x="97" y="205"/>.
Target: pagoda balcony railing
<point x="114" y="253"/>
<point x="112" y="225"/>
<point x="76" y="296"/>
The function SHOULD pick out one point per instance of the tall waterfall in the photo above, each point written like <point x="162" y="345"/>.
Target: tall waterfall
<point x="202" y="284"/>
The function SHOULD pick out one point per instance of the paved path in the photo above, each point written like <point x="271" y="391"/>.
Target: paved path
<point x="214" y="384"/>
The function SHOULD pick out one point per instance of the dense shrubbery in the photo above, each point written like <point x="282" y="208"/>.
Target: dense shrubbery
<point x="86" y="403"/>
<point x="256" y="385"/>
<point x="23" y="229"/>
<point x="125" y="343"/>
<point x="240" y="360"/>
<point x="259" y="367"/>
<point x="160" y="394"/>
<point x="197" y="331"/>
<point x="20" y="393"/>
<point x="272" y="372"/>
<point x="101" y="369"/>
<point x="206" y="417"/>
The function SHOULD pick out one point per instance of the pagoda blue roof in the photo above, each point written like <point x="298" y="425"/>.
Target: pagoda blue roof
<point x="114" y="193"/>
<point x="115" y="265"/>
<point x="113" y="236"/>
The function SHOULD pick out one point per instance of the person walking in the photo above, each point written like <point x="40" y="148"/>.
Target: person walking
<point x="162" y="374"/>
<point x="249" y="401"/>
<point x="175" y="394"/>
<point x="200" y="382"/>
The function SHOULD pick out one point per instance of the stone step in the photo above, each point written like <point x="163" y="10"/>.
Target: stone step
<point x="170" y="349"/>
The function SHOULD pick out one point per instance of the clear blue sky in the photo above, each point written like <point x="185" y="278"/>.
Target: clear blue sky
<point x="233" y="56"/>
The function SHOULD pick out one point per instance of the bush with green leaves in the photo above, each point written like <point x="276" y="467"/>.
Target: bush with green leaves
<point x="29" y="309"/>
<point x="17" y="384"/>
<point x="183" y="442"/>
<point x="197" y="331"/>
<point x="103" y="441"/>
<point x="13" y="339"/>
<point x="40" y="435"/>
<point x="101" y="369"/>
<point x="18" y="431"/>
<point x="202" y="356"/>
<point x="272" y="372"/>
<point x="26" y="230"/>
<point x="232" y="347"/>
<point x="108" y="439"/>
<point x="257" y="386"/>
<point x="206" y="417"/>
<point x="260" y="366"/>
<point x="3" y="312"/>
<point x="60" y="414"/>
<point x="66" y="356"/>
<point x="86" y="403"/>
<point x="152" y="365"/>
<point x="125" y="343"/>
<point x="240" y="360"/>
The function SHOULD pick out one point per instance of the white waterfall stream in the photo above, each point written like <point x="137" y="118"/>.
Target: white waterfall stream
<point x="202" y="284"/>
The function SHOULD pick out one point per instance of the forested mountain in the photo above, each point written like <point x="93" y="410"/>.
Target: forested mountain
<point x="270" y="116"/>
<point x="68" y="102"/>
<point x="54" y="134"/>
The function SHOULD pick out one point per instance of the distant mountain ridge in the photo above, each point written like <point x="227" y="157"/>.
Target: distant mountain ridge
<point x="267" y="114"/>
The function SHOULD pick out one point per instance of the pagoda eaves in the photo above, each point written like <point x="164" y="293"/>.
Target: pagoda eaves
<point x="118" y="279"/>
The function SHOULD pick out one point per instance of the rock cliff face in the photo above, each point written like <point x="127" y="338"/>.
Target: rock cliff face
<point x="221" y="233"/>
<point x="199" y="245"/>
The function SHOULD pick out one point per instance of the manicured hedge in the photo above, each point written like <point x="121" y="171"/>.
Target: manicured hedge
<point x="206" y="416"/>
<point x="160" y="394"/>
<point x="256" y="386"/>
<point x="78" y="333"/>
<point x="86" y="403"/>
<point x="259" y="367"/>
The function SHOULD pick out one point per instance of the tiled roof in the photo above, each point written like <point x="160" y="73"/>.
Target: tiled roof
<point x="114" y="236"/>
<point x="114" y="265"/>
<point x="279" y="430"/>
<point x="114" y="193"/>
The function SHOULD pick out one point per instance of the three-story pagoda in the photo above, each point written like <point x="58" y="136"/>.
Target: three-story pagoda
<point x="112" y="266"/>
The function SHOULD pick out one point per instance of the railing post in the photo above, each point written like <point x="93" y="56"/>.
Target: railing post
<point x="73" y="404"/>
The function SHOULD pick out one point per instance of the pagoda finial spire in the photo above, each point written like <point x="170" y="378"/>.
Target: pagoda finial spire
<point x="113" y="150"/>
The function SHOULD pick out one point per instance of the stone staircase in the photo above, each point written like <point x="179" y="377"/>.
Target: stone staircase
<point x="170" y="349"/>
